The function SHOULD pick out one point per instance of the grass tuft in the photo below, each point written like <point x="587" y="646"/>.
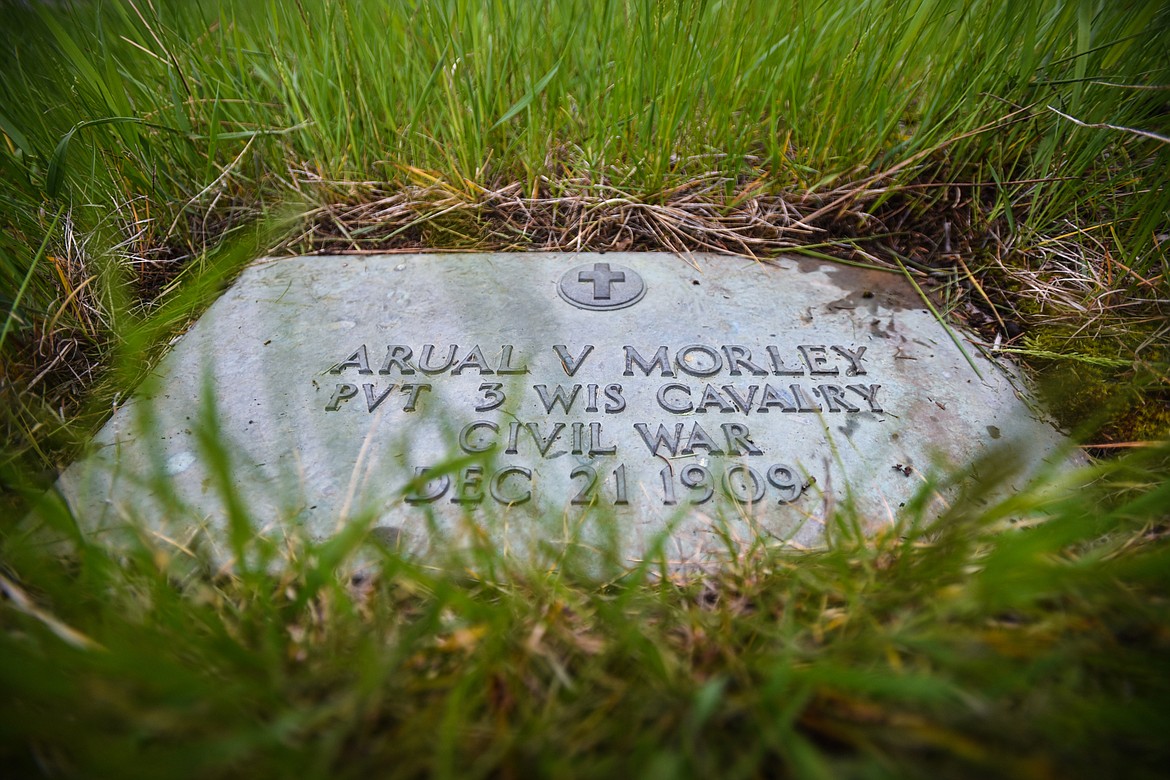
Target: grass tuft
<point x="973" y="644"/>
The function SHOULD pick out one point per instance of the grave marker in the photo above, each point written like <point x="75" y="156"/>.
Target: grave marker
<point x="554" y="399"/>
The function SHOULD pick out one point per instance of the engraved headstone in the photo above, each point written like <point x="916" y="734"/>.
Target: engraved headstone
<point x="552" y="400"/>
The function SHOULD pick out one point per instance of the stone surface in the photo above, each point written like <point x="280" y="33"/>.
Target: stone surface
<point x="575" y="398"/>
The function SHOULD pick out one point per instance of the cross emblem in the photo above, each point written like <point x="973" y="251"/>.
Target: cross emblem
<point x="600" y="286"/>
<point x="601" y="278"/>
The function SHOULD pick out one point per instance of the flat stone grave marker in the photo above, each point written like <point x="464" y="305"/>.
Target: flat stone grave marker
<point x="552" y="401"/>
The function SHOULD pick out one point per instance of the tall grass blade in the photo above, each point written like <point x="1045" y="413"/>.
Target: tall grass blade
<point x="55" y="173"/>
<point x="32" y="267"/>
<point x="941" y="320"/>
<point x="9" y="128"/>
<point x="529" y="96"/>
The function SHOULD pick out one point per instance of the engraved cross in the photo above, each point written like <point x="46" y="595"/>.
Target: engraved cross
<point x="602" y="278"/>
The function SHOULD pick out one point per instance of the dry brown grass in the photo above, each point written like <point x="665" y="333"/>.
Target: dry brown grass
<point x="1013" y="293"/>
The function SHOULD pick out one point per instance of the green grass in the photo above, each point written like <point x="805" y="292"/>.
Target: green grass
<point x="148" y="149"/>
<point x="930" y="128"/>
<point x="1022" y="639"/>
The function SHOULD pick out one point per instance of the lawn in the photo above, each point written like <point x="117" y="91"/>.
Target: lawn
<point x="1013" y="160"/>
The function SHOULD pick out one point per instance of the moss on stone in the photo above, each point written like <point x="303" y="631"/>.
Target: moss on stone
<point x="1111" y="403"/>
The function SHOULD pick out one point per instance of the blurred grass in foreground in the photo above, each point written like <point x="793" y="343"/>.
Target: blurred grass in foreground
<point x="1026" y="638"/>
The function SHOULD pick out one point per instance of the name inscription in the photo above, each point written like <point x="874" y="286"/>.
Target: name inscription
<point x="724" y="382"/>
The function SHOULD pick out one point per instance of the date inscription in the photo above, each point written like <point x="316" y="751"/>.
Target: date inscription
<point x="697" y="484"/>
